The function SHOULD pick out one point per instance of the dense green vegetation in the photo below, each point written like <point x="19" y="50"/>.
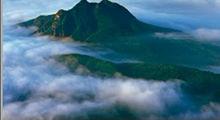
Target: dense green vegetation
<point x="135" y="70"/>
<point x="149" y="48"/>
<point x="196" y="81"/>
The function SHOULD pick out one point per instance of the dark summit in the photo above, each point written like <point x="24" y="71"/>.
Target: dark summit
<point x="92" y="21"/>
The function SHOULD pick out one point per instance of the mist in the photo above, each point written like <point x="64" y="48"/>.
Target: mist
<point x="36" y="87"/>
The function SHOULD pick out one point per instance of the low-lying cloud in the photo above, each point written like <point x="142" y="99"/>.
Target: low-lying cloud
<point x="173" y="35"/>
<point x="201" y="34"/>
<point x="207" y="34"/>
<point x="73" y="95"/>
<point x="38" y="88"/>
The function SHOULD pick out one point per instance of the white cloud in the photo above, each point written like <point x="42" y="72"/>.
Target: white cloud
<point x="37" y="87"/>
<point x="207" y="112"/>
<point x="173" y="35"/>
<point x="207" y="34"/>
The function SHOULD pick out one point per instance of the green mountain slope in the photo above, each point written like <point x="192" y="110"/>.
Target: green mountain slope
<point x="91" y="22"/>
<point x="149" y="48"/>
<point x="197" y="82"/>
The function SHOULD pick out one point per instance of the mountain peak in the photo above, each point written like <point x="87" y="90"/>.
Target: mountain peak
<point x="104" y="1"/>
<point x="84" y="1"/>
<point x="91" y="21"/>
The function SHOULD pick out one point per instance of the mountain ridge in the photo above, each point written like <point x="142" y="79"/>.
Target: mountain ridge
<point x="89" y="21"/>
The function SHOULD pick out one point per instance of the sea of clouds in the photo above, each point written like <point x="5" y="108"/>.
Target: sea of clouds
<point x="36" y="87"/>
